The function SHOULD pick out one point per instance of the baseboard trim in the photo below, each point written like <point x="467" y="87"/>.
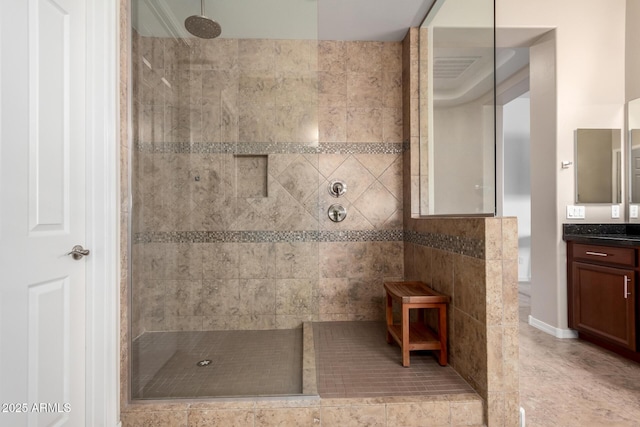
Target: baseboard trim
<point x="552" y="330"/>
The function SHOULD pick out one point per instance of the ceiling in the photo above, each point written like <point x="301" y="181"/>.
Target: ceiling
<point x="363" y="20"/>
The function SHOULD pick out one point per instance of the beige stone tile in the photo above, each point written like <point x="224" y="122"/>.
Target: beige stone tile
<point x="299" y="179"/>
<point x="493" y="238"/>
<point x="467" y="413"/>
<point x="377" y="164"/>
<point x="377" y="204"/>
<point x="392" y="56"/>
<point x="296" y="88"/>
<point x="183" y="323"/>
<point x="468" y="347"/>
<point x="334" y="296"/>
<point x="220" y="260"/>
<point x="257" y="296"/>
<point x="392" y="89"/>
<point x="366" y="298"/>
<point x="287" y="417"/>
<point x="172" y="261"/>
<point x="425" y="414"/>
<point x="423" y="264"/>
<point x="182" y="297"/>
<point x="154" y="418"/>
<point x="442" y="271"/>
<point x="239" y="322"/>
<point x="298" y="55"/>
<point x="495" y="359"/>
<point x="364" y="90"/>
<point x="496" y="410"/>
<point x="218" y="54"/>
<point x="222" y="418"/>
<point x="409" y="262"/>
<point x="296" y="296"/>
<point x="296" y="260"/>
<point x="256" y="54"/>
<point x="332" y="88"/>
<point x="364" y="124"/>
<point x="493" y="290"/>
<point x="510" y="358"/>
<point x="469" y="291"/>
<point x="510" y="292"/>
<point x="335" y="258"/>
<point x="353" y="416"/>
<point x="332" y="55"/>
<point x="355" y="175"/>
<point x="256" y="123"/>
<point x="332" y="122"/>
<point x="510" y="238"/>
<point x="256" y="260"/>
<point x="392" y="125"/>
<point x="364" y="56"/>
<point x="221" y="297"/>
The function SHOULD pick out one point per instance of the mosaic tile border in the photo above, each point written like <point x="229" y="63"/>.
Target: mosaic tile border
<point x="461" y="245"/>
<point x="270" y="148"/>
<point x="268" y="236"/>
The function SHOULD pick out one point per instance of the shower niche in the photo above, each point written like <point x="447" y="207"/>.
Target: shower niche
<point x="251" y="175"/>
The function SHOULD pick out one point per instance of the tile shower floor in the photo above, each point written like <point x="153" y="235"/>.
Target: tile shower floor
<point x="243" y="363"/>
<point x="352" y="360"/>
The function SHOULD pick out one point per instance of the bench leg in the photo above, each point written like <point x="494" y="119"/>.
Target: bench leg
<point x="442" y="334"/>
<point x="389" y="312"/>
<point x="405" y="336"/>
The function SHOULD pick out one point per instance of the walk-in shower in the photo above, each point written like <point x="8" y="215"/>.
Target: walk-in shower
<point x="241" y="144"/>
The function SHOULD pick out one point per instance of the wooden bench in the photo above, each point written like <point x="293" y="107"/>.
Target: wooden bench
<point x="416" y="335"/>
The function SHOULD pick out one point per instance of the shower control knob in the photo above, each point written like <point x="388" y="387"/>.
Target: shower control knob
<point x="337" y="213"/>
<point x="337" y="188"/>
<point x="77" y="252"/>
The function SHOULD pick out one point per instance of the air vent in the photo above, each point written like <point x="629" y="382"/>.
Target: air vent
<point x="453" y="67"/>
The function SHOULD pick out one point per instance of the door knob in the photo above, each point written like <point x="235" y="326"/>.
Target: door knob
<point x="77" y="252"/>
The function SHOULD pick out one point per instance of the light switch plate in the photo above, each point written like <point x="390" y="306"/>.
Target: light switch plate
<point x="633" y="211"/>
<point x="615" y="211"/>
<point x="575" y="212"/>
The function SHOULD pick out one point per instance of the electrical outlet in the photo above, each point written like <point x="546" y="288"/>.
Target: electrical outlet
<point x="633" y="211"/>
<point x="615" y="211"/>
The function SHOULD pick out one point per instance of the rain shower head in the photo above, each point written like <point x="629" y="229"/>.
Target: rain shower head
<point x="201" y="26"/>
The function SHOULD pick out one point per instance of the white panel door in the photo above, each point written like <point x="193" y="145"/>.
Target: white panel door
<point x="42" y="212"/>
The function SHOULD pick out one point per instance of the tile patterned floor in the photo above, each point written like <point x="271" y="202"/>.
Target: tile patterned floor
<point x="354" y="360"/>
<point x="567" y="382"/>
<point x="243" y="363"/>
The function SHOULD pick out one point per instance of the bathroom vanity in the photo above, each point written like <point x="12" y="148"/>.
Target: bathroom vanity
<point x="603" y="267"/>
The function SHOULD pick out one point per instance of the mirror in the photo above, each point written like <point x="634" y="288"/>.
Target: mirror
<point x="457" y="116"/>
<point x="598" y="166"/>
<point x="633" y="122"/>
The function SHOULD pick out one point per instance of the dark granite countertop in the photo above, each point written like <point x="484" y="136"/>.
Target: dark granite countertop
<point x="618" y="234"/>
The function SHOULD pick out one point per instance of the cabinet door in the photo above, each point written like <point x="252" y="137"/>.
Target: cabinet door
<point x="604" y="303"/>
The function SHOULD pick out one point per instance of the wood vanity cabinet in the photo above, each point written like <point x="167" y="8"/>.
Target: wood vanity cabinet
<point x="602" y="294"/>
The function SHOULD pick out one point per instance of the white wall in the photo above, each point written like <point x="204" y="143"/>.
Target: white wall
<point x="577" y="81"/>
<point x="517" y="182"/>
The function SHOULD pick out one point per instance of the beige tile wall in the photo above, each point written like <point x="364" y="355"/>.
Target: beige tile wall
<point x="260" y="93"/>
<point x="477" y="267"/>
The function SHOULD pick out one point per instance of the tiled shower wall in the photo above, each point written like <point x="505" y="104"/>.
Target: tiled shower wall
<point x="235" y="142"/>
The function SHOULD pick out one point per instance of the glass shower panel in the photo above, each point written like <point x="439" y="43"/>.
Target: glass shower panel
<point x="224" y="183"/>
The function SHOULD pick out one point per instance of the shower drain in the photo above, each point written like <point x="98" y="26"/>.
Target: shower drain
<point x="205" y="362"/>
